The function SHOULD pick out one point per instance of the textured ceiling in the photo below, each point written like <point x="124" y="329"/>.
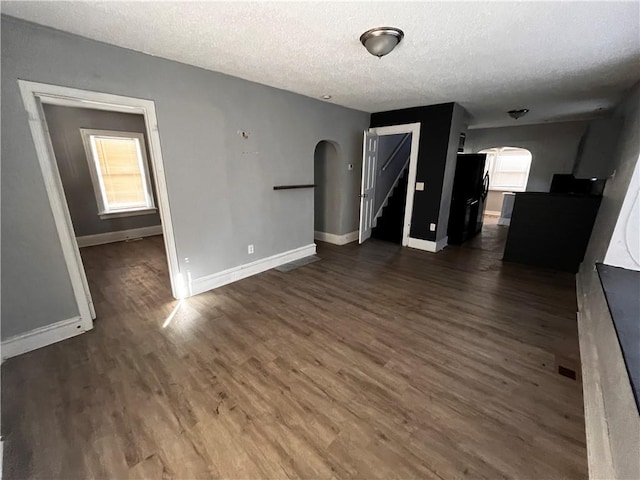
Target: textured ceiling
<point x="562" y="60"/>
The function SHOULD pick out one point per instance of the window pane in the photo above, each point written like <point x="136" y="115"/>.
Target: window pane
<point x="123" y="180"/>
<point x="509" y="180"/>
<point x="514" y="163"/>
<point x="508" y="168"/>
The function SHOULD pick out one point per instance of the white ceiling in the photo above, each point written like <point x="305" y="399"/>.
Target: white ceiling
<point x="562" y="60"/>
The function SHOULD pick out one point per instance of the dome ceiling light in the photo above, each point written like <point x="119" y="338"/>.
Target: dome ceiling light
<point x="380" y="41"/>
<point x="516" y="114"/>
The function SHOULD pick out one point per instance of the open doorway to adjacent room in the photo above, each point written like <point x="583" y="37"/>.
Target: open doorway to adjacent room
<point x="508" y="169"/>
<point x="101" y="160"/>
<point x="326" y="206"/>
<point x="389" y="166"/>
<point x="107" y="178"/>
<point x="508" y="172"/>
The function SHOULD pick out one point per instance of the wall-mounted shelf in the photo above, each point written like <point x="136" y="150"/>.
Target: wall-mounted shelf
<point x="291" y="187"/>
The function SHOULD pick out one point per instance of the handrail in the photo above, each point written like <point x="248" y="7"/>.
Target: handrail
<point x="395" y="184"/>
<point x="395" y="151"/>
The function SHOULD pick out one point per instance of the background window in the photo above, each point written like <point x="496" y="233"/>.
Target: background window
<point x="508" y="168"/>
<point x="119" y="171"/>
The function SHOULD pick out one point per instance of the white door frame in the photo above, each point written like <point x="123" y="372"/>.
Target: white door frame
<point x="33" y="96"/>
<point x="414" y="130"/>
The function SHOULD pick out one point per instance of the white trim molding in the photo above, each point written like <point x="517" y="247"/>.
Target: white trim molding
<point x="336" y="239"/>
<point x="119" y="236"/>
<point x="505" y="222"/>
<point x="209" y="282"/>
<point x="414" y="130"/>
<point x="34" y="95"/>
<point x="427" y="245"/>
<point x="43" y="336"/>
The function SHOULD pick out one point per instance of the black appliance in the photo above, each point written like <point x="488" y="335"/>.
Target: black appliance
<point x="567" y="183"/>
<point x="470" y="188"/>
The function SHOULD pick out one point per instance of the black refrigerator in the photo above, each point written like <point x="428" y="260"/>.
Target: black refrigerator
<point x="470" y="188"/>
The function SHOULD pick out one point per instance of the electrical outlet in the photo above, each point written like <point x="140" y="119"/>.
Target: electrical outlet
<point x="432" y="227"/>
<point x="250" y="249"/>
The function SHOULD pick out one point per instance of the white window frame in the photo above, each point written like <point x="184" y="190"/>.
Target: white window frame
<point x="97" y="180"/>
<point x="493" y="166"/>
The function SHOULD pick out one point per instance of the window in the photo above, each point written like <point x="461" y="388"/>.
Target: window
<point x="119" y="172"/>
<point x="508" y="168"/>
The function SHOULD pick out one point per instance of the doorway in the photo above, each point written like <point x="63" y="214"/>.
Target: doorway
<point x="508" y="169"/>
<point x="36" y="97"/>
<point x="326" y="174"/>
<point x="107" y="178"/>
<point x="390" y="155"/>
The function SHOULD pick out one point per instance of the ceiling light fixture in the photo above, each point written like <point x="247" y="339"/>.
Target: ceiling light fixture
<point x="516" y="114"/>
<point x="326" y="97"/>
<point x="380" y="41"/>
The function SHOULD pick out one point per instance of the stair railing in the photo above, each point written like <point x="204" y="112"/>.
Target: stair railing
<point x="395" y="152"/>
<point x="393" y="187"/>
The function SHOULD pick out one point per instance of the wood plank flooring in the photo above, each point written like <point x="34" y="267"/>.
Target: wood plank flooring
<point x="375" y="362"/>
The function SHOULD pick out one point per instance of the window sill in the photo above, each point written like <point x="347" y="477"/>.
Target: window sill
<point x="128" y="213"/>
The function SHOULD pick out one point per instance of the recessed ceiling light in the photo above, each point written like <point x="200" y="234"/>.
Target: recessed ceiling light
<point x="326" y="97"/>
<point x="380" y="41"/>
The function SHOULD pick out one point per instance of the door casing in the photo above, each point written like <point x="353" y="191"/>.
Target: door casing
<point x="414" y="130"/>
<point x="33" y="96"/>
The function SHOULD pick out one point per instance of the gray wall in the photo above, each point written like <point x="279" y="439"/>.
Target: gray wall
<point x="612" y="421"/>
<point x="384" y="180"/>
<point x="327" y="172"/>
<point x="596" y="154"/>
<point x="64" y="125"/>
<point x="553" y="147"/>
<point x="220" y="185"/>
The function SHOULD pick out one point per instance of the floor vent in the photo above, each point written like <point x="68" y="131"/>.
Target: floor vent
<point x="567" y="372"/>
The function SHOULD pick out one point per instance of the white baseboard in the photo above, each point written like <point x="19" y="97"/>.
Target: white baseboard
<point x="426" y="245"/>
<point x="336" y="239"/>
<point x="491" y="213"/>
<point x="504" y="221"/>
<point x="110" y="237"/>
<point x="209" y="282"/>
<point x="43" y="336"/>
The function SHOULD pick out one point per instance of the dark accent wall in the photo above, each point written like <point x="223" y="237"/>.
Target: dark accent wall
<point x="435" y="128"/>
<point x="64" y="125"/>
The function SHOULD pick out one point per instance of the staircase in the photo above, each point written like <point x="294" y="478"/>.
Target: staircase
<point x="389" y="224"/>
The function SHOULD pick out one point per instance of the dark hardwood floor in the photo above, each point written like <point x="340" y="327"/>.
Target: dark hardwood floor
<point x="375" y="362"/>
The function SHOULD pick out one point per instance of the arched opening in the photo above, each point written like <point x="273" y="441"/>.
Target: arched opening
<point x="326" y="171"/>
<point x="508" y="169"/>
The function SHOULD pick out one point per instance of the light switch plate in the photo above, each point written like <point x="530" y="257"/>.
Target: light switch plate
<point x="350" y="167"/>
<point x="420" y="186"/>
<point x="432" y="227"/>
